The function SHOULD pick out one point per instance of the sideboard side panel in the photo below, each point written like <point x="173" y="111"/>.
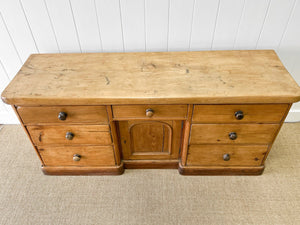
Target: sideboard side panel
<point x="27" y="133"/>
<point x="276" y="133"/>
<point x="114" y="135"/>
<point x="186" y="135"/>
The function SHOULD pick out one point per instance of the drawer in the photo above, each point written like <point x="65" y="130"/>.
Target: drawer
<point x="226" y="155"/>
<point x="243" y="133"/>
<point x="125" y="112"/>
<point x="57" y="135"/>
<point x="78" y="156"/>
<point x="63" y="114"/>
<point x="267" y="113"/>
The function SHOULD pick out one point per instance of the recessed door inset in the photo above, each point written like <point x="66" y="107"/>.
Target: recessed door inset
<point x="150" y="139"/>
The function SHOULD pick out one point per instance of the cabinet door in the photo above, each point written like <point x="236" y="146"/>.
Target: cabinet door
<point x="150" y="139"/>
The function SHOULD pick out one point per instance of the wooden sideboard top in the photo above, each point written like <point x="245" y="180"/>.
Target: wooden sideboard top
<point x="207" y="77"/>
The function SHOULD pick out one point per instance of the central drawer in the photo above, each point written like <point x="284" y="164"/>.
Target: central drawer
<point x="77" y="155"/>
<point x="70" y="135"/>
<point x="126" y="112"/>
<point x="233" y="133"/>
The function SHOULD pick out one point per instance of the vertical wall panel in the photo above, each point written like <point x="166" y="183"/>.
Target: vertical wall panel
<point x="180" y="24"/>
<point x="2" y="107"/>
<point x="109" y="20"/>
<point x="157" y="22"/>
<point x="18" y="28"/>
<point x="6" y="112"/>
<point x="289" y="48"/>
<point x="204" y="22"/>
<point x="63" y="25"/>
<point x="227" y="25"/>
<point x="3" y="83"/>
<point x="133" y="22"/>
<point x="275" y="23"/>
<point x="8" y="54"/>
<point x="251" y="23"/>
<point x="38" y="18"/>
<point x="87" y="25"/>
<point x="50" y="26"/>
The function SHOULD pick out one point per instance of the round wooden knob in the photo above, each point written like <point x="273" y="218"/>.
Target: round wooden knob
<point x="69" y="135"/>
<point x="226" y="157"/>
<point x="76" y="157"/>
<point x="239" y="115"/>
<point x="149" y="112"/>
<point x="232" y="135"/>
<point x="62" y="116"/>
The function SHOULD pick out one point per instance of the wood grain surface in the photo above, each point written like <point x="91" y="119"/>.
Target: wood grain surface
<point x="208" y="77"/>
<point x="125" y="112"/>
<point x="83" y="170"/>
<point x="246" y="133"/>
<point x="83" y="134"/>
<point x="151" y="139"/>
<point x="75" y="114"/>
<point x="212" y="155"/>
<point x="90" y="155"/>
<point x="220" y="170"/>
<point x="264" y="113"/>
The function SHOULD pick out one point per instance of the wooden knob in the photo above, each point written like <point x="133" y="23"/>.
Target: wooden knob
<point x="226" y="157"/>
<point x="149" y="112"/>
<point x="69" y="135"/>
<point x="239" y="115"/>
<point x="232" y="135"/>
<point x="62" y="116"/>
<point x="76" y="157"/>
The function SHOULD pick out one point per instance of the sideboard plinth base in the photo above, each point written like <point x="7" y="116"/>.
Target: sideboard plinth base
<point x="71" y="170"/>
<point x="150" y="164"/>
<point x="214" y="170"/>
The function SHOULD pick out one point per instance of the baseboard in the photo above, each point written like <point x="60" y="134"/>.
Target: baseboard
<point x="8" y="118"/>
<point x="293" y="116"/>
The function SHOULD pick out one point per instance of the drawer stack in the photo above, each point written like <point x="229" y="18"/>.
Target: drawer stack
<point x="70" y="136"/>
<point x="233" y="135"/>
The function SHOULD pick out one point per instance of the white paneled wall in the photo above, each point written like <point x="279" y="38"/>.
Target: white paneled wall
<point x="51" y="26"/>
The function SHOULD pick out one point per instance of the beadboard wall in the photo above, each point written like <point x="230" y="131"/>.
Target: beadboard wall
<point x="51" y="26"/>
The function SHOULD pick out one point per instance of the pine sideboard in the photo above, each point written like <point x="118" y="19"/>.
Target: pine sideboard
<point x="203" y="113"/>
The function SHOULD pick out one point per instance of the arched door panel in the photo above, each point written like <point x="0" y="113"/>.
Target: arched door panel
<point x="150" y="139"/>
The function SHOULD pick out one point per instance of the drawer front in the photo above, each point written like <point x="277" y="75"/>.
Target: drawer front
<point x="224" y="133"/>
<point x="63" y="114"/>
<point x="78" y="156"/>
<point x="226" y="155"/>
<point x="53" y="135"/>
<point x="124" y="112"/>
<point x="269" y="113"/>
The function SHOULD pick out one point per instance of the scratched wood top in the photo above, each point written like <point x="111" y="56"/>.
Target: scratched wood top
<point x="209" y="77"/>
